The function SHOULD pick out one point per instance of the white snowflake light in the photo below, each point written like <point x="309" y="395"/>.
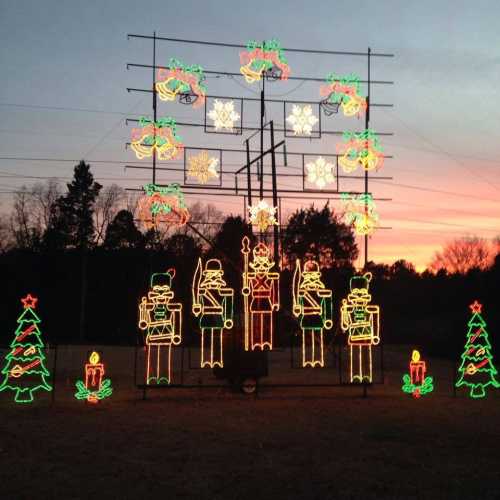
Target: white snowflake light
<point x="262" y="215"/>
<point x="302" y="120"/>
<point x="203" y="167"/>
<point x="223" y="115"/>
<point x="320" y="172"/>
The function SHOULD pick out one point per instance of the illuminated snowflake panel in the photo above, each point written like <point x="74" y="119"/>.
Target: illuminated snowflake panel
<point x="262" y="215"/>
<point x="302" y="120"/>
<point x="320" y="172"/>
<point x="223" y="115"/>
<point x="203" y="167"/>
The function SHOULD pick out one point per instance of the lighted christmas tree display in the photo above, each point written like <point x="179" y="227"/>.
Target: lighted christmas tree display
<point x="477" y="370"/>
<point x="24" y="370"/>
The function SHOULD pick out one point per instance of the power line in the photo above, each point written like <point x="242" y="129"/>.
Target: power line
<point x="375" y="179"/>
<point x="239" y="46"/>
<point x="440" y="191"/>
<point x="441" y="223"/>
<point x="445" y="153"/>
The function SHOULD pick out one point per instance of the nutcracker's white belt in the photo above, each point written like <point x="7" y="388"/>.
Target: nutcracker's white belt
<point x="312" y="310"/>
<point x="152" y="339"/>
<point x="212" y="310"/>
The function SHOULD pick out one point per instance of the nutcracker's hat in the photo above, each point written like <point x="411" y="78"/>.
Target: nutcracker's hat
<point x="311" y="266"/>
<point x="213" y="265"/>
<point x="261" y="250"/>
<point x="360" y="282"/>
<point x="163" y="279"/>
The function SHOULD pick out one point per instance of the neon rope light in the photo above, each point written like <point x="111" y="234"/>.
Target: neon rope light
<point x="213" y="304"/>
<point x="260" y="296"/>
<point x="344" y="90"/>
<point x="24" y="369"/>
<point x="361" y="320"/>
<point x="162" y="205"/>
<point x="360" y="211"/>
<point x="312" y="305"/>
<point x="302" y="119"/>
<point x="179" y="79"/>
<point x="203" y="167"/>
<point x="160" y="136"/>
<point x="263" y="216"/>
<point x="223" y="115"/>
<point x="320" y="172"/>
<point x="265" y="57"/>
<point x="161" y="318"/>
<point x="95" y="387"/>
<point x="416" y="383"/>
<point x="477" y="370"/>
<point x="360" y="150"/>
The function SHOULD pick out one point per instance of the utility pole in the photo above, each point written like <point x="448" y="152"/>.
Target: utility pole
<point x="154" y="105"/>
<point x="367" y="126"/>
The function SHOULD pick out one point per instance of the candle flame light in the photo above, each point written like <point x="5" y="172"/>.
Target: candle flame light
<point x="415" y="356"/>
<point x="94" y="358"/>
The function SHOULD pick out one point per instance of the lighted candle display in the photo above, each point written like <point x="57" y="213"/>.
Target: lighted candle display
<point x="417" y="383"/>
<point x="94" y="371"/>
<point x="417" y="368"/>
<point x="95" y="388"/>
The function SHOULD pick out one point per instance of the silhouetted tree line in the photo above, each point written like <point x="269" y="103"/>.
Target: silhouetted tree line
<point x="89" y="264"/>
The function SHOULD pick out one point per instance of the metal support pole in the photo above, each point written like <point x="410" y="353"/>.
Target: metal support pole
<point x="340" y="364"/>
<point x="54" y="370"/>
<point x="262" y="113"/>
<point x="182" y="364"/>
<point x="135" y="365"/>
<point x="367" y="125"/>
<point x="453" y="378"/>
<point x="249" y="176"/>
<point x="276" y="227"/>
<point x="154" y="105"/>
<point x="382" y="366"/>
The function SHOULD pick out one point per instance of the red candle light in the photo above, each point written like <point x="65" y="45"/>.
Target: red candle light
<point x="417" y="369"/>
<point x="94" y="372"/>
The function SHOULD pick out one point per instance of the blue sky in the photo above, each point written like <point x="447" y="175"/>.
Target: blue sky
<point x="72" y="56"/>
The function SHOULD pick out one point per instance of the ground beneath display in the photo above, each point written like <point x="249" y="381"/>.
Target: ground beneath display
<point x="288" y="443"/>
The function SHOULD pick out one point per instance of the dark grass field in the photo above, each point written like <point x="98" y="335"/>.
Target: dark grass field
<point x="286" y="444"/>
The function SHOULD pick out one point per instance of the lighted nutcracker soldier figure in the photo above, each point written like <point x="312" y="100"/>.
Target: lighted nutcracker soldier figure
<point x="162" y="320"/>
<point x="261" y="296"/>
<point x="362" y="322"/>
<point x="312" y="304"/>
<point x="213" y="303"/>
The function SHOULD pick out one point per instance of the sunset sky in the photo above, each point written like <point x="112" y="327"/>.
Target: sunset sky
<point x="64" y="78"/>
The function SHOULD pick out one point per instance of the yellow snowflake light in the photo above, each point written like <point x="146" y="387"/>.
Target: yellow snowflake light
<point x="262" y="215"/>
<point x="223" y="115"/>
<point x="203" y="167"/>
<point x="320" y="172"/>
<point x="302" y="120"/>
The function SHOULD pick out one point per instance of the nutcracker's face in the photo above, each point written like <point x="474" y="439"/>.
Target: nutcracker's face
<point x="261" y="262"/>
<point x="213" y="274"/>
<point x="311" y="277"/>
<point x="160" y="294"/>
<point x="359" y="295"/>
